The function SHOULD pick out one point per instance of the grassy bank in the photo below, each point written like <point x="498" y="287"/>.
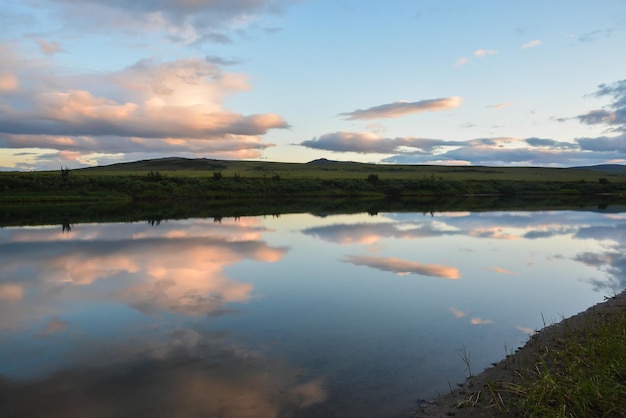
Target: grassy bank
<point x="584" y="375"/>
<point x="575" y="368"/>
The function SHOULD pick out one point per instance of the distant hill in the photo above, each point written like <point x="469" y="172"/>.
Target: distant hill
<point x="605" y="168"/>
<point x="164" y="164"/>
<point x="324" y="168"/>
<point x="327" y="161"/>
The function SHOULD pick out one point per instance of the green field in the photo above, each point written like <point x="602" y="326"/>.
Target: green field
<point x="184" y="179"/>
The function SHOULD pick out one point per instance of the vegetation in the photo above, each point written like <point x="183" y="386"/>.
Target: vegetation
<point x="585" y="377"/>
<point x="181" y="179"/>
<point x="576" y="368"/>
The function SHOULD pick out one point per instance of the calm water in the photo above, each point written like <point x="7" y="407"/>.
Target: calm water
<point x="297" y="315"/>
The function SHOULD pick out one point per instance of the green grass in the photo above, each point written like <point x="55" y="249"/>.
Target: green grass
<point x="585" y="376"/>
<point x="574" y="369"/>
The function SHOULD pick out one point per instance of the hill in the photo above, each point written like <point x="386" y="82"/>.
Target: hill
<point x="330" y="169"/>
<point x="605" y="168"/>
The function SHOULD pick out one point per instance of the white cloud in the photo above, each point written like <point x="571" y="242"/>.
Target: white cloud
<point x="484" y="52"/>
<point x="461" y="61"/>
<point x="531" y="44"/>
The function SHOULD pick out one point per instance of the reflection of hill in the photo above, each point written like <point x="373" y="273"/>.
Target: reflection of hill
<point x="154" y="213"/>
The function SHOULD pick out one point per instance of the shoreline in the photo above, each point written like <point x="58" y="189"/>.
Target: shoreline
<point x="475" y="397"/>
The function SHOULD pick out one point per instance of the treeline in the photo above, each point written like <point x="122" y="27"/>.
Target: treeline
<point x="66" y="186"/>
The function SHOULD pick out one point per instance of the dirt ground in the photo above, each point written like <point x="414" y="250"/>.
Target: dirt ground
<point x="475" y="398"/>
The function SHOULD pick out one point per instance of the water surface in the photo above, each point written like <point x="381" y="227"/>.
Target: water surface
<point x="285" y="316"/>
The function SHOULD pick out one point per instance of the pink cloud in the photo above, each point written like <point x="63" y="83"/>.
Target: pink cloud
<point x="163" y="107"/>
<point x="11" y="292"/>
<point x="403" y="267"/>
<point x="49" y="48"/>
<point x="501" y="270"/>
<point x="8" y="82"/>
<point x="402" y="108"/>
<point x="480" y="321"/>
<point x="499" y="105"/>
<point x="461" y="61"/>
<point x="457" y="312"/>
<point x="485" y="52"/>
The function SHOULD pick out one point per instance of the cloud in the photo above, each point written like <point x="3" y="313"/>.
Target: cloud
<point x="531" y="44"/>
<point x="11" y="292"/>
<point x="147" y="263"/>
<point x="149" y="107"/>
<point x="55" y="326"/>
<point x="8" y="82"/>
<point x="221" y="61"/>
<point x="549" y="143"/>
<point x="480" y="321"/>
<point x="457" y="312"/>
<point x="402" y="267"/>
<point x="595" y="35"/>
<point x="479" y="151"/>
<point x="612" y="263"/>
<point x="481" y="53"/>
<point x="366" y="142"/>
<point x="184" y="21"/>
<point x="610" y="144"/>
<point x="501" y="270"/>
<point x="397" y="109"/>
<point x="461" y="61"/>
<point x="525" y="330"/>
<point x="191" y="372"/>
<point x="499" y="105"/>
<point x="613" y="114"/>
<point x="49" y="48"/>
<point x="371" y="233"/>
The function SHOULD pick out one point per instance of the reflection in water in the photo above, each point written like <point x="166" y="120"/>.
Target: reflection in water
<point x="174" y="269"/>
<point x="189" y="374"/>
<point x="277" y="317"/>
<point x="403" y="267"/>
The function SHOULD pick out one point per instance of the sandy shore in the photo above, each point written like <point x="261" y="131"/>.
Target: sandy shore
<point x="475" y="399"/>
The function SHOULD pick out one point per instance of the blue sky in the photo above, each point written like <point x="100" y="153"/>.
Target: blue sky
<point x="421" y="82"/>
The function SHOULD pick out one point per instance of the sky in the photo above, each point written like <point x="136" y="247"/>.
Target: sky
<point x="490" y="82"/>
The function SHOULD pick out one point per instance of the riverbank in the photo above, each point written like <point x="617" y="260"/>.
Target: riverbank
<point x="496" y="392"/>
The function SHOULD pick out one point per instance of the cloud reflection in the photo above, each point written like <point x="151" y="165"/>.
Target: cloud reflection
<point x="480" y="321"/>
<point x="10" y="292"/>
<point x="370" y="233"/>
<point x="55" y="326"/>
<point x="187" y="373"/>
<point x="501" y="270"/>
<point x="457" y="312"/>
<point x="612" y="263"/>
<point x="403" y="267"/>
<point x="176" y="268"/>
